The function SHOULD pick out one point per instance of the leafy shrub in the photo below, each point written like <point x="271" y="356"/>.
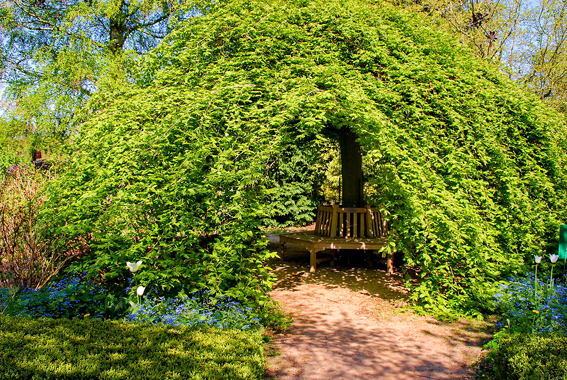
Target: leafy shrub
<point x="191" y="223"/>
<point x="107" y="350"/>
<point x="531" y="356"/>
<point x="30" y="251"/>
<point x="9" y="159"/>
<point x="195" y="310"/>
<point x="176" y="170"/>
<point x="273" y="316"/>
<point x="531" y="310"/>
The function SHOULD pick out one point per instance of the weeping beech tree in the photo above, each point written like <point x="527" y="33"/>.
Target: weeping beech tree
<point x="176" y="170"/>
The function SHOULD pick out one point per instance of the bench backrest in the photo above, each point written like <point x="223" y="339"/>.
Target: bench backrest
<point x="350" y="222"/>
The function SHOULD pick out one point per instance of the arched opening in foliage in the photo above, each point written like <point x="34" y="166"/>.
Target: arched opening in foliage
<point x="180" y="169"/>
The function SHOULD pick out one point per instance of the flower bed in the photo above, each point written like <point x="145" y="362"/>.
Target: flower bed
<point x="533" y="341"/>
<point x="78" y="298"/>
<point x="195" y="310"/>
<point x="531" y="306"/>
<point x="75" y="329"/>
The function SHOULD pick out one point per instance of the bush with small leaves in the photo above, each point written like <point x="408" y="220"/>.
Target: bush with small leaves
<point x="109" y="350"/>
<point x="531" y="356"/>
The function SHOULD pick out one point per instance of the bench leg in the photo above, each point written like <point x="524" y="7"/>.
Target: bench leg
<point x="281" y="251"/>
<point x="313" y="260"/>
<point x="333" y="255"/>
<point x="390" y="263"/>
<point x="369" y="262"/>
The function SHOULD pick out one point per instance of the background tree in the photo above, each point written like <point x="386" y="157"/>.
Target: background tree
<point x="545" y="58"/>
<point x="527" y="38"/>
<point x="487" y="26"/>
<point x="55" y="54"/>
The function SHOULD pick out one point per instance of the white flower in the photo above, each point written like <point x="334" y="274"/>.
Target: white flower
<point x="140" y="290"/>
<point x="553" y="258"/>
<point x="537" y="259"/>
<point x="133" y="266"/>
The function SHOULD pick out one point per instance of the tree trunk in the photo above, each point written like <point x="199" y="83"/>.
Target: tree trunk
<point x="351" y="163"/>
<point x="118" y="29"/>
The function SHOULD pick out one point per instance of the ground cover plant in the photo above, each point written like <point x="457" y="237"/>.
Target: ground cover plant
<point x="532" y="308"/>
<point x="195" y="310"/>
<point x="176" y="170"/>
<point x="95" y="349"/>
<point x="64" y="298"/>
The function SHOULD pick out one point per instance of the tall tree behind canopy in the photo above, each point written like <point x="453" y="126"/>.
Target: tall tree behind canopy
<point x="55" y="54"/>
<point x="529" y="38"/>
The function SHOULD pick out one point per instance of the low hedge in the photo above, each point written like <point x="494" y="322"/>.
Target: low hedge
<point x="531" y="356"/>
<point x="95" y="349"/>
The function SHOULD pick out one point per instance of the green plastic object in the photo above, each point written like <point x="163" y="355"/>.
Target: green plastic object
<point x="562" y="242"/>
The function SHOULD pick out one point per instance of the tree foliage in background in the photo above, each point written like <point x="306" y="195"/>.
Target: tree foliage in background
<point x="55" y="54"/>
<point x="176" y="172"/>
<point x="528" y="38"/>
<point x="297" y="173"/>
<point x="546" y="55"/>
<point x="10" y="146"/>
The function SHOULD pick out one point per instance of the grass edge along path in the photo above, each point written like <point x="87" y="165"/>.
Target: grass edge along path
<point x="94" y="349"/>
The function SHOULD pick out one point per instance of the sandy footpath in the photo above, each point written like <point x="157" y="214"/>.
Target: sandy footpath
<point x="340" y="333"/>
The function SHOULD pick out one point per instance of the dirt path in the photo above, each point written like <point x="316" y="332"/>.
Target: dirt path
<point x="341" y="333"/>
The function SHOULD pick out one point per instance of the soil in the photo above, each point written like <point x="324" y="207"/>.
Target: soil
<point x="349" y="323"/>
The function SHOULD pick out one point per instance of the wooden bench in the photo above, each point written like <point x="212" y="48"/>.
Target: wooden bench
<point x="337" y="228"/>
<point x="314" y="244"/>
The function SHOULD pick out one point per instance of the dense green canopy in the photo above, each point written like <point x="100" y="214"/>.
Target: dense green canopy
<point x="177" y="171"/>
